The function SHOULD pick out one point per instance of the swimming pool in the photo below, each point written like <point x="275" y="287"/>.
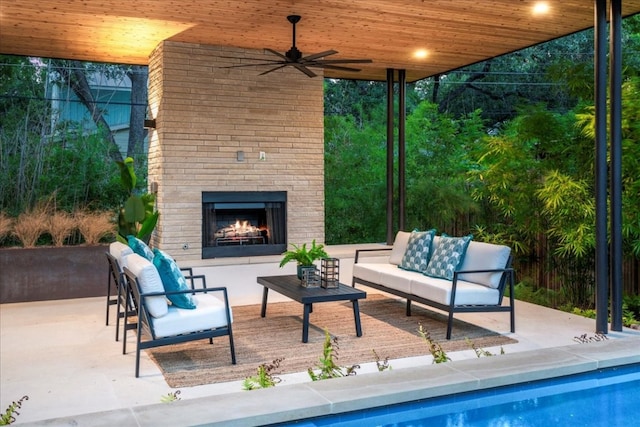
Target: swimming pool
<point x="607" y="397"/>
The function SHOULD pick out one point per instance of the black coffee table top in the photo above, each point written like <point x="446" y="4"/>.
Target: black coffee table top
<point x="289" y="285"/>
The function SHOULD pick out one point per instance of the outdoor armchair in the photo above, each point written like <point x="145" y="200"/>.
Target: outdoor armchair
<point x="159" y="323"/>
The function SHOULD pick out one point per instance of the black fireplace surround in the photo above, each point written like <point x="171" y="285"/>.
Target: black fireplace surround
<point x="243" y="223"/>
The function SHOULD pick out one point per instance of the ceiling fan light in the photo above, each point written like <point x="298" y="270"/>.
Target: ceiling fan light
<point x="420" y="54"/>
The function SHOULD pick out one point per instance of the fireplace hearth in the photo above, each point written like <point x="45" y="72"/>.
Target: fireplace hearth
<point x="243" y="223"/>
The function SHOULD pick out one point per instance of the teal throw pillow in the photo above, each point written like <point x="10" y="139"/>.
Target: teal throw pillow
<point x="139" y="247"/>
<point x="416" y="256"/>
<point x="447" y="256"/>
<point x="172" y="280"/>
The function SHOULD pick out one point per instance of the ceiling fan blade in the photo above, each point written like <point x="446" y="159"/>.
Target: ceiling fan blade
<point x="253" y="65"/>
<point x="304" y="69"/>
<point x="273" y="69"/>
<point x="338" y="67"/>
<point x="275" y="52"/>
<point x="319" y="55"/>
<point x="343" y="61"/>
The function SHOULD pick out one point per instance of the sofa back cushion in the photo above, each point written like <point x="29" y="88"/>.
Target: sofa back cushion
<point x="484" y="256"/>
<point x="120" y="251"/>
<point x="399" y="247"/>
<point x="416" y="256"/>
<point x="149" y="280"/>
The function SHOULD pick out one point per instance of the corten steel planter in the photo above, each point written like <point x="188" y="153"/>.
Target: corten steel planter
<point x="51" y="273"/>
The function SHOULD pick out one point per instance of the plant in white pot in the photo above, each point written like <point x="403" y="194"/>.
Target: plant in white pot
<point x="304" y="257"/>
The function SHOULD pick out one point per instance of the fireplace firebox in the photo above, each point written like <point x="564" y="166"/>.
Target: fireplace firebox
<point x="243" y="223"/>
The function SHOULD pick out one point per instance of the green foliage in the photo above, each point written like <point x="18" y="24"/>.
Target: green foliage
<point x="354" y="180"/>
<point x="304" y="256"/>
<point x="40" y="156"/>
<point x="439" y="355"/>
<point x="526" y="291"/>
<point x="437" y="159"/>
<point x="265" y="376"/>
<point x="9" y="416"/>
<point x="171" y="397"/>
<point x="328" y="366"/>
<point x="137" y="216"/>
<point x="381" y="364"/>
<point x="480" y="352"/>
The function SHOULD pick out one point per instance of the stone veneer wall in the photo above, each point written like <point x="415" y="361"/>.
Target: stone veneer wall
<point x="205" y="114"/>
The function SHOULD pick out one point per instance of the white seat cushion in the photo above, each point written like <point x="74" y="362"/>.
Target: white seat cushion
<point x="484" y="256"/>
<point x="120" y="251"/>
<point x="439" y="290"/>
<point x="149" y="280"/>
<point x="397" y="278"/>
<point x="209" y="314"/>
<point x="368" y="272"/>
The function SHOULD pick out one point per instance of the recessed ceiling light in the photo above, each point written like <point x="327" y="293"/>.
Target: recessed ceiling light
<point x="420" y="54"/>
<point x="540" y="8"/>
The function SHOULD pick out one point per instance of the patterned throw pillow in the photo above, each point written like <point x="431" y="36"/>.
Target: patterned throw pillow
<point x="416" y="256"/>
<point x="139" y="247"/>
<point x="447" y="256"/>
<point x="172" y="280"/>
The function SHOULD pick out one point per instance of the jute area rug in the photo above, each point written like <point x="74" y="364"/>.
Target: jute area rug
<point x="386" y="330"/>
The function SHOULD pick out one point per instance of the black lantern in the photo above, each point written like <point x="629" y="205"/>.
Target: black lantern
<point x="329" y="272"/>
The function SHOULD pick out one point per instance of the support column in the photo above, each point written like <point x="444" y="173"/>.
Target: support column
<point x="390" y="151"/>
<point x="600" y="99"/>
<point x="615" y="182"/>
<point x="402" y="150"/>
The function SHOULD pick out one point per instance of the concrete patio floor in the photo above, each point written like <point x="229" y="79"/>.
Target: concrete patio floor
<point x="61" y="354"/>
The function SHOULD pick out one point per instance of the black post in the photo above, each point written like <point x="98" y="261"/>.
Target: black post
<point x="402" y="150"/>
<point x="600" y="99"/>
<point x="390" y="145"/>
<point x="615" y="183"/>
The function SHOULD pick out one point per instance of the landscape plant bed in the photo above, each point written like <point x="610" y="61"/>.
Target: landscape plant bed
<point x="51" y="273"/>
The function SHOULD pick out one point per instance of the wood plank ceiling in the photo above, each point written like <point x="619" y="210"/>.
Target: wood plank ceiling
<point x="454" y="33"/>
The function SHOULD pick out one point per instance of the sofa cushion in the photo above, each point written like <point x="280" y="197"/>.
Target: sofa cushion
<point x="172" y="279"/>
<point x="120" y="251"/>
<point x="209" y="314"/>
<point x="149" y="280"/>
<point x="399" y="247"/>
<point x="439" y="290"/>
<point x="484" y="256"/>
<point x="397" y="279"/>
<point x="416" y="256"/>
<point x="370" y="271"/>
<point x="139" y="247"/>
<point x="447" y="256"/>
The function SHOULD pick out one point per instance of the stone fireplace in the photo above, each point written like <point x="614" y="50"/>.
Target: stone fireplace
<point x="243" y="223"/>
<point x="221" y="130"/>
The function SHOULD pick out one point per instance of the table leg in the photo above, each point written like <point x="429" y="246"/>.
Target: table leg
<point x="263" y="310"/>
<point x="356" y="316"/>
<point x="305" y="322"/>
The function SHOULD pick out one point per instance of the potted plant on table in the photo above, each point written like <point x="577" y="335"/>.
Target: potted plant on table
<point x="304" y="256"/>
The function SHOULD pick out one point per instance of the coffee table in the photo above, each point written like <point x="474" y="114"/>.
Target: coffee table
<point x="289" y="286"/>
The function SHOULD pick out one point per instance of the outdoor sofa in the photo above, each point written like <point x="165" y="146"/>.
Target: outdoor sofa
<point x="453" y="274"/>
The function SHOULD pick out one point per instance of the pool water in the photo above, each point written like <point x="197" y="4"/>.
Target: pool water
<point x="609" y="397"/>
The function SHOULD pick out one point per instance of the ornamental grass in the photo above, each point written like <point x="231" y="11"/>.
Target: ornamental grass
<point x="30" y="226"/>
<point x="94" y="226"/>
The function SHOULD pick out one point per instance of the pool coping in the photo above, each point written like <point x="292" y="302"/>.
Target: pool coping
<point x="313" y="399"/>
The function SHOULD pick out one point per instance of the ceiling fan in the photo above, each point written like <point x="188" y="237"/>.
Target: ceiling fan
<point x="293" y="58"/>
